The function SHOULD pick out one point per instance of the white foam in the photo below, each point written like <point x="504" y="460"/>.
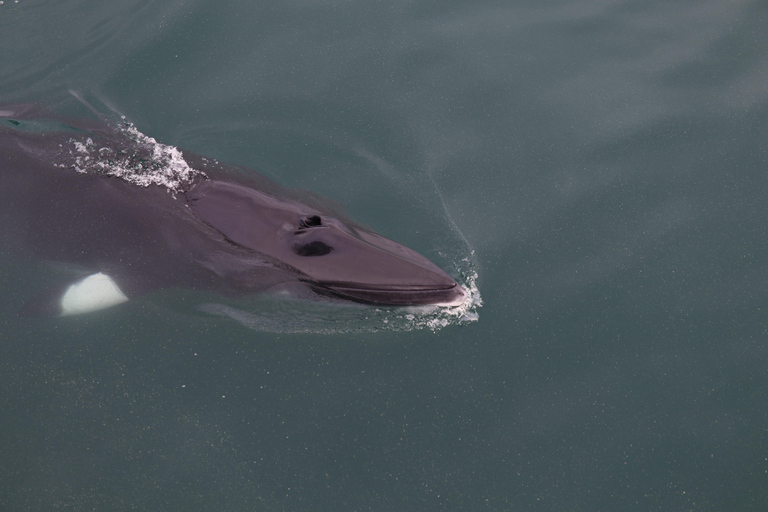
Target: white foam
<point x="95" y="292"/>
<point x="143" y="162"/>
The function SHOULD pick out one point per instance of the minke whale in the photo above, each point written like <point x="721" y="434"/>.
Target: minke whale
<point x="132" y="215"/>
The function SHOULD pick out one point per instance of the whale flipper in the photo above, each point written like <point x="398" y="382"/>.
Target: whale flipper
<point x="85" y="295"/>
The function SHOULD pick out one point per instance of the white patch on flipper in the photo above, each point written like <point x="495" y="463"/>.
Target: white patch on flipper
<point x="95" y="292"/>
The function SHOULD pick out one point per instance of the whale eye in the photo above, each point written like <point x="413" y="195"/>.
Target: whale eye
<point x="310" y="222"/>
<point x="315" y="248"/>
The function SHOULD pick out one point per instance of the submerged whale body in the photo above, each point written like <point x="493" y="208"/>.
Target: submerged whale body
<point x="137" y="216"/>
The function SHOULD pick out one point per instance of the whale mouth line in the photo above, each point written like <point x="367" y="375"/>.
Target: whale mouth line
<point x="400" y="295"/>
<point x="388" y="287"/>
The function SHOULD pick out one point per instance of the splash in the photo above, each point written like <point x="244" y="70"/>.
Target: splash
<point x="135" y="158"/>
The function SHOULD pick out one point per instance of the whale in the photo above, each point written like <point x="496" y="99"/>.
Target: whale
<point x="131" y="216"/>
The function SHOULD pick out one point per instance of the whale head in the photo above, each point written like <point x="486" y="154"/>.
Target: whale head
<point x="330" y="255"/>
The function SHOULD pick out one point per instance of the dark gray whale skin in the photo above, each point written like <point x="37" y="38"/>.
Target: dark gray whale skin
<point x="223" y="230"/>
